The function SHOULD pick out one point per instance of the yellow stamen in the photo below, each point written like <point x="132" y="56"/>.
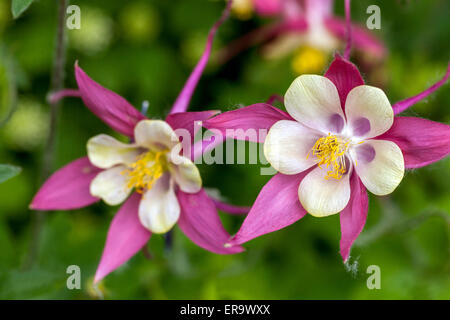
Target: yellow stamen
<point x="147" y="168"/>
<point x="308" y="60"/>
<point x="330" y="151"/>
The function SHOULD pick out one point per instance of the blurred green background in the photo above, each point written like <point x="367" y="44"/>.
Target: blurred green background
<point x="145" y="50"/>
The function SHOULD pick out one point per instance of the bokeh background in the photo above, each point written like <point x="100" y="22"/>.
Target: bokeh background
<point x="144" y="50"/>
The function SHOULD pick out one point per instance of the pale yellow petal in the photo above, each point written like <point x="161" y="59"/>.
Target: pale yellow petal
<point x="110" y="185"/>
<point x="314" y="101"/>
<point x="185" y="173"/>
<point x="368" y="112"/>
<point x="381" y="169"/>
<point x="287" y="146"/>
<point x="105" y="151"/>
<point x="159" y="209"/>
<point x="323" y="197"/>
<point x="155" y="134"/>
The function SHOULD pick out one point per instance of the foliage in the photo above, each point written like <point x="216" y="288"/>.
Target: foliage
<point x="19" y="6"/>
<point x="8" y="171"/>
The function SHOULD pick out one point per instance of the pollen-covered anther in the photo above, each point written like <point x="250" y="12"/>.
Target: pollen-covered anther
<point x="330" y="151"/>
<point x="147" y="168"/>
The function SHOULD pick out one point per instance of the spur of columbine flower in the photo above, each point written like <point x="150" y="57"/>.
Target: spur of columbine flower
<point x="306" y="28"/>
<point x="339" y="138"/>
<point x="154" y="176"/>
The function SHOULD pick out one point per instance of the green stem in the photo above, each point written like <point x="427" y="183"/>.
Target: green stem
<point x="57" y="83"/>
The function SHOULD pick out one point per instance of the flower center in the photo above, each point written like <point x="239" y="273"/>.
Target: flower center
<point x="330" y="150"/>
<point x="147" y="168"/>
<point x="308" y="60"/>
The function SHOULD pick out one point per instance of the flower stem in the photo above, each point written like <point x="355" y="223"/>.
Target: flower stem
<point x="348" y="23"/>
<point x="57" y="83"/>
<point x="168" y="241"/>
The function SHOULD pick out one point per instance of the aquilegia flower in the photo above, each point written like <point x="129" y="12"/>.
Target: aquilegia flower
<point x="307" y="28"/>
<point x="152" y="176"/>
<point x="152" y="166"/>
<point x="336" y="145"/>
<point x="339" y="138"/>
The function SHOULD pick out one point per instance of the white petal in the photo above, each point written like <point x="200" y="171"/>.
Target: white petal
<point x="322" y="197"/>
<point x="185" y="173"/>
<point x="105" y="151"/>
<point x="159" y="209"/>
<point x="314" y="101"/>
<point x="287" y="145"/>
<point x="380" y="165"/>
<point x="110" y="185"/>
<point x="155" y="134"/>
<point x="368" y="112"/>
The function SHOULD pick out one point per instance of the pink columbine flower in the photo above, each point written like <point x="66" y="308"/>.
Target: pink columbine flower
<point x="339" y="138"/>
<point x="307" y="27"/>
<point x="158" y="185"/>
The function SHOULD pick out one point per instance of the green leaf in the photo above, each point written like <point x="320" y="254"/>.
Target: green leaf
<point x="8" y="171"/>
<point x="19" y="6"/>
<point x="8" y="92"/>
